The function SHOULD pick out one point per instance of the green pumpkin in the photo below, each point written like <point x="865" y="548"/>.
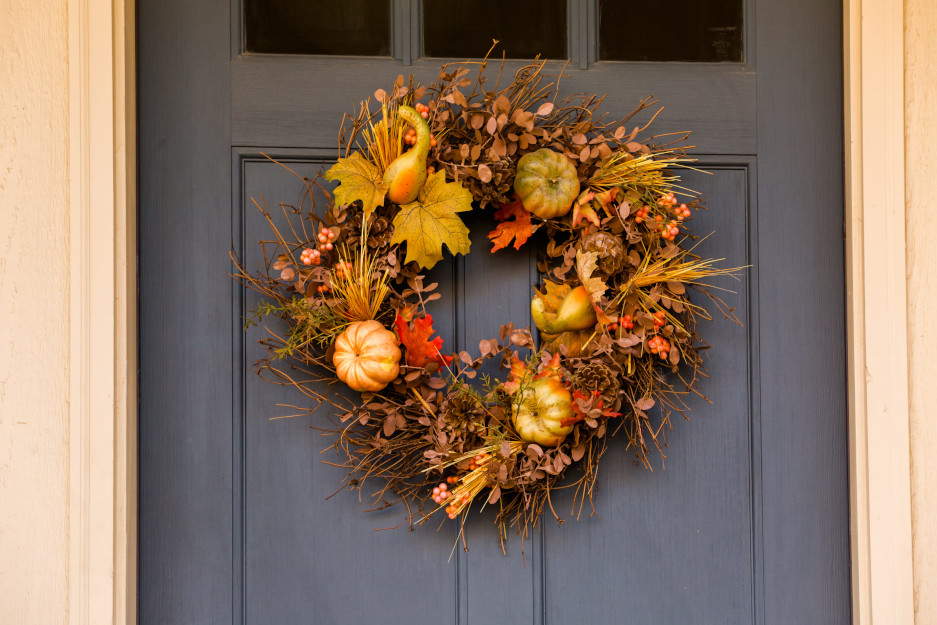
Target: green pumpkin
<point x="543" y="413"/>
<point x="546" y="183"/>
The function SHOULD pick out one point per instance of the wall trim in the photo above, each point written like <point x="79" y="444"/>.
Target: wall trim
<point x="102" y="308"/>
<point x="877" y="327"/>
<point x="102" y="438"/>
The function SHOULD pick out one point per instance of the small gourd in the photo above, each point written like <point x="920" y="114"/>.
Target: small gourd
<point x="543" y="412"/>
<point x="546" y="183"/>
<point x="405" y="176"/>
<point x="366" y="356"/>
<point x="559" y="308"/>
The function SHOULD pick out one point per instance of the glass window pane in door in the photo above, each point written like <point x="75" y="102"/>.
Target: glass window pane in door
<point x="464" y="28"/>
<point x="339" y="27"/>
<point x="670" y="30"/>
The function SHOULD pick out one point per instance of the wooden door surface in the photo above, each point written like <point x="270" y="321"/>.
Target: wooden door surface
<point x="748" y="523"/>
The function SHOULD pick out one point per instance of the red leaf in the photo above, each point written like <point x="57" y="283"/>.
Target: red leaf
<point x="421" y="351"/>
<point x="519" y="228"/>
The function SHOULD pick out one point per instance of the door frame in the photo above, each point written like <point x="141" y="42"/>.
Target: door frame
<point x="103" y="337"/>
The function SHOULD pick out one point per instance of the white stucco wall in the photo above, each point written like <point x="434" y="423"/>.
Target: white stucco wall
<point x="921" y="196"/>
<point x="34" y="329"/>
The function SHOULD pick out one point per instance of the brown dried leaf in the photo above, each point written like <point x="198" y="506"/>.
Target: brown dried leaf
<point x="499" y="147"/>
<point x="484" y="173"/>
<point x="645" y="403"/>
<point x="545" y="109"/>
<point x="390" y="425"/>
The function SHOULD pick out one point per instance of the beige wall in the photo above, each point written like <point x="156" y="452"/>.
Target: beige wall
<point x="34" y="330"/>
<point x="921" y="196"/>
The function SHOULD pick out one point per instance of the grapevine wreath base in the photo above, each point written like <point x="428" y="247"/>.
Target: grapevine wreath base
<point x="617" y="330"/>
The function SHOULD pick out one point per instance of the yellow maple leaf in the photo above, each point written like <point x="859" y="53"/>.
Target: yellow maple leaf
<point x="433" y="221"/>
<point x="359" y="179"/>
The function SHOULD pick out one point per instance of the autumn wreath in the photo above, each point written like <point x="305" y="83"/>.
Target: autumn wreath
<point x="616" y="327"/>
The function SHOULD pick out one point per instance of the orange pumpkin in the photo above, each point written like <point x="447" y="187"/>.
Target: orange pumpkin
<point x="366" y="356"/>
<point x="546" y="183"/>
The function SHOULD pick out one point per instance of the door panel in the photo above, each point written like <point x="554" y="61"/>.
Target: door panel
<point x="746" y="524"/>
<point x="295" y="541"/>
<point x="679" y="540"/>
<point x="716" y="102"/>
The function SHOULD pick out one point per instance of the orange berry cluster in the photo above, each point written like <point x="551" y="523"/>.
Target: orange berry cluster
<point x="422" y="109"/>
<point x="671" y="229"/>
<point x="323" y="288"/>
<point x="326" y="237"/>
<point x="478" y="461"/>
<point x="452" y="510"/>
<point x="310" y="256"/>
<point x="441" y="493"/>
<point x="660" y="319"/>
<point x="626" y="322"/>
<point x="343" y="266"/>
<point x="659" y="345"/>
<point x="670" y="201"/>
<point x="409" y="137"/>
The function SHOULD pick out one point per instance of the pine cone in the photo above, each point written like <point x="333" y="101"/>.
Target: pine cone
<point x="610" y="250"/>
<point x="379" y="233"/>
<point x="461" y="418"/>
<point x="596" y="377"/>
<point x="351" y="229"/>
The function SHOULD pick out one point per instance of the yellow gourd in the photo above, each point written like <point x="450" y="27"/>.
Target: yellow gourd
<point x="366" y="356"/>
<point x="559" y="308"/>
<point x="405" y="176"/>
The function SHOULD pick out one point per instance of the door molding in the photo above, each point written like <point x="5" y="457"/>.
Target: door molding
<point x="102" y="414"/>
<point x="102" y="483"/>
<point x="877" y="327"/>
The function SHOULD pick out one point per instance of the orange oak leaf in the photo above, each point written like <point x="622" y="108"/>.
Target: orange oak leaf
<point x="597" y="408"/>
<point x="421" y="351"/>
<point x="549" y="368"/>
<point x="519" y="228"/>
<point x="519" y="375"/>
